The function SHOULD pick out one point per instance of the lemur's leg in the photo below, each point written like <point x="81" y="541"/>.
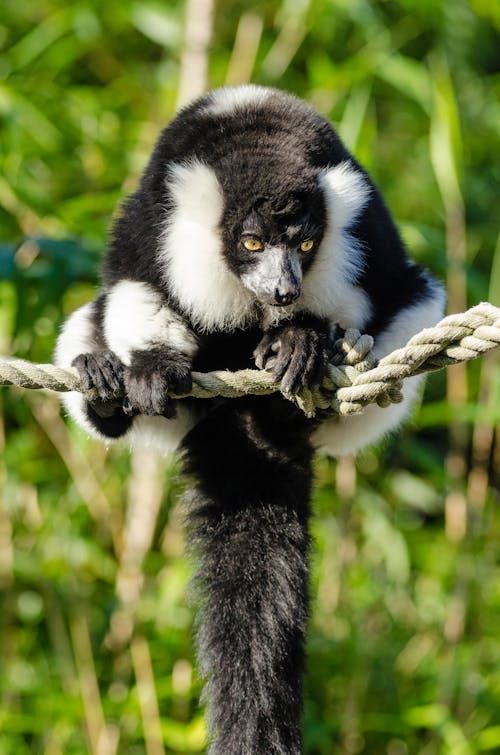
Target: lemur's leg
<point x="154" y="343"/>
<point x="249" y="528"/>
<point x="130" y="339"/>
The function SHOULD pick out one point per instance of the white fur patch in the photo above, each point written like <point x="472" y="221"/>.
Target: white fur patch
<point x="76" y="336"/>
<point x="330" y="288"/>
<point x="228" y="99"/>
<point x="409" y="321"/>
<point x="346" y="435"/>
<point x="195" y="269"/>
<point x="137" y="318"/>
<point x="159" y="433"/>
<point x="347" y="193"/>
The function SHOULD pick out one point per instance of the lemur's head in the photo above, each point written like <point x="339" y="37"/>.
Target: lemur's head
<point x="259" y="196"/>
<point x="272" y="233"/>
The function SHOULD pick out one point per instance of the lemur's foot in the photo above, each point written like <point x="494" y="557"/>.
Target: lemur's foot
<point x="103" y="373"/>
<point x="296" y="355"/>
<point x="150" y="377"/>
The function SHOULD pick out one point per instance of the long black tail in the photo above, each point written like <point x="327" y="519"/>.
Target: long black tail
<point x="248" y="521"/>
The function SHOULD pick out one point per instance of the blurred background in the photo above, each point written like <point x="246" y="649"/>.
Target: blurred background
<point x="96" y="651"/>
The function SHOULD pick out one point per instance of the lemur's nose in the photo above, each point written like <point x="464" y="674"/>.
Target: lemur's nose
<point x="286" y="297"/>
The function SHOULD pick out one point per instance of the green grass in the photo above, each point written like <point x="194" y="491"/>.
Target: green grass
<point x="96" y="651"/>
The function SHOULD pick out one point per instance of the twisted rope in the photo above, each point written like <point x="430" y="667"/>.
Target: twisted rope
<point x="353" y="380"/>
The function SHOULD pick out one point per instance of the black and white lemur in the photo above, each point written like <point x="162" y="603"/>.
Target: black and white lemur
<point x="253" y="233"/>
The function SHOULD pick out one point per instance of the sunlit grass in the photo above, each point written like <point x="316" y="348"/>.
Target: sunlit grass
<point x="96" y="651"/>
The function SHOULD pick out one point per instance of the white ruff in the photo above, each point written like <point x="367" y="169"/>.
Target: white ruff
<point x="195" y="270"/>
<point x="346" y="435"/>
<point x="330" y="288"/>
<point x="137" y="319"/>
<point x="228" y="99"/>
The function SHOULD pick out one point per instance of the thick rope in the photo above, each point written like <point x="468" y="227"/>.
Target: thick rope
<point x="354" y="378"/>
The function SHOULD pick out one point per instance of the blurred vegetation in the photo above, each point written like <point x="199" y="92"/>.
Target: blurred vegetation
<point x="95" y="625"/>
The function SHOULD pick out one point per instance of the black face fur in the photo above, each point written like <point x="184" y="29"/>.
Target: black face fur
<point x="282" y="223"/>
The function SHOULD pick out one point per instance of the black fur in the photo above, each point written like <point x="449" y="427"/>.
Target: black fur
<point x="249" y="459"/>
<point x="248" y="520"/>
<point x="151" y="376"/>
<point x="101" y="371"/>
<point x="296" y="353"/>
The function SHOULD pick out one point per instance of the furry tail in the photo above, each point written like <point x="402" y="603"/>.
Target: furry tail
<point x="249" y="528"/>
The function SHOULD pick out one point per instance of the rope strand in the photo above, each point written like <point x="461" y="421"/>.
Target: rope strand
<point x="354" y="379"/>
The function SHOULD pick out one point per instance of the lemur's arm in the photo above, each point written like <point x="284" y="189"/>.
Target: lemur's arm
<point x="297" y="350"/>
<point x="129" y="339"/>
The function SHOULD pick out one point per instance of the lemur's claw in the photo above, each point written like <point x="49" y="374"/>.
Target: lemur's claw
<point x="150" y="378"/>
<point x="295" y="354"/>
<point x="102" y="372"/>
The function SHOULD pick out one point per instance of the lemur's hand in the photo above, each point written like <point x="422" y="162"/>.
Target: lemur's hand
<point x="103" y="372"/>
<point x="150" y="376"/>
<point x="295" y="353"/>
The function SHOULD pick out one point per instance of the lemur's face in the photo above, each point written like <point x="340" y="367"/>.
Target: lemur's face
<point x="274" y="245"/>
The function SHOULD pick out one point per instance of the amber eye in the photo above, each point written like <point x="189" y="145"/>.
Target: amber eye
<point x="306" y="246"/>
<point x="253" y="245"/>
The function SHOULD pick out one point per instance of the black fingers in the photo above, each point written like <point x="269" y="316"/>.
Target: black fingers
<point x="266" y="350"/>
<point x="102" y="372"/>
<point x="151" y="376"/>
<point x="297" y="356"/>
<point x="146" y="393"/>
<point x="146" y="383"/>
